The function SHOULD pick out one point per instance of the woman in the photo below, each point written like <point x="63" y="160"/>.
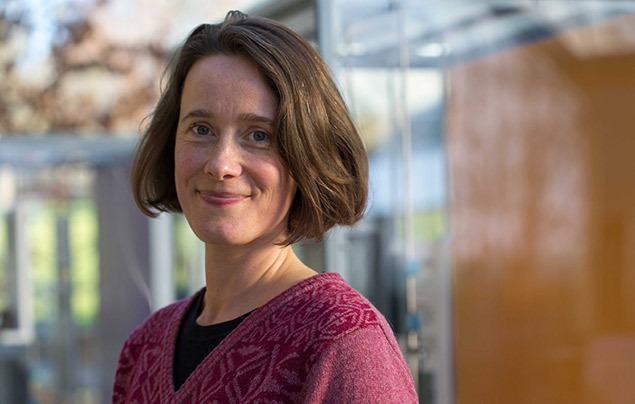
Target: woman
<point x="252" y="142"/>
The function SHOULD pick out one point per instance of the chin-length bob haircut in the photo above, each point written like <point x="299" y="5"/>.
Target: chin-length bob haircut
<point x="314" y="134"/>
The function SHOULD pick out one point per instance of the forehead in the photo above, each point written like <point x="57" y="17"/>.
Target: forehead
<point x="223" y="64"/>
<point x="226" y="80"/>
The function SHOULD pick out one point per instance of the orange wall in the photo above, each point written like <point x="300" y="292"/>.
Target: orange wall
<point x="541" y="142"/>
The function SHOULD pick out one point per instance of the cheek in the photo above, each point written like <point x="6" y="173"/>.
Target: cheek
<point x="288" y="185"/>
<point x="272" y="177"/>
<point x="179" y="169"/>
<point x="186" y="163"/>
<point x="183" y="172"/>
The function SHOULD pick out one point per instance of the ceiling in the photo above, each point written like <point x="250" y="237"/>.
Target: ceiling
<point x="440" y="33"/>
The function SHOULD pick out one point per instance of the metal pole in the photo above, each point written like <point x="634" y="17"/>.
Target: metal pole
<point x="411" y="264"/>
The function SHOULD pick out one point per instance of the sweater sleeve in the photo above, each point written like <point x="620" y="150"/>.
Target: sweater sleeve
<point x="362" y="367"/>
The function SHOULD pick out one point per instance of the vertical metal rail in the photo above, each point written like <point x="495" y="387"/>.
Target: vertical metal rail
<point x="411" y="264"/>
<point x="162" y="291"/>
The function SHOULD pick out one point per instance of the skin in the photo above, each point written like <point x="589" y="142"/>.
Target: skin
<point x="233" y="188"/>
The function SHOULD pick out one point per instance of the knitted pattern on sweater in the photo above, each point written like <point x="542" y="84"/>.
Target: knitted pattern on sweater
<point x="319" y="341"/>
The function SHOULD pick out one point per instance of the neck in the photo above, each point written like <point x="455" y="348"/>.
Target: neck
<point x="240" y="280"/>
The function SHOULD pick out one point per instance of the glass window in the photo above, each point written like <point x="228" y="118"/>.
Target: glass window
<point x="496" y="133"/>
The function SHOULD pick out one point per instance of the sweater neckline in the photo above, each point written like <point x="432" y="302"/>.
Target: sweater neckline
<point x="245" y="327"/>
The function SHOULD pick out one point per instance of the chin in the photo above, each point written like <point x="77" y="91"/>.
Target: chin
<point x="229" y="239"/>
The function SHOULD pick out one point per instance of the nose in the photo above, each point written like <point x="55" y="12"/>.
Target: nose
<point x="224" y="160"/>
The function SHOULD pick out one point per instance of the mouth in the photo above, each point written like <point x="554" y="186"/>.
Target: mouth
<point x="221" y="198"/>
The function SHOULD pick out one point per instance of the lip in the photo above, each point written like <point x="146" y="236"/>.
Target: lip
<point x="221" y="198"/>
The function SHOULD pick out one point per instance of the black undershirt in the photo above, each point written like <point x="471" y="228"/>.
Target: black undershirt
<point x="195" y="342"/>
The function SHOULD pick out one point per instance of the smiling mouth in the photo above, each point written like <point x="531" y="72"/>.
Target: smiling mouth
<point x="221" y="198"/>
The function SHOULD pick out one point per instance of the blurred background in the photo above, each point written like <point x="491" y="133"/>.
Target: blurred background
<point x="500" y="236"/>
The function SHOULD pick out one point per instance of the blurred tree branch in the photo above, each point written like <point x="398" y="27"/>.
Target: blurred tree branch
<point x="86" y="83"/>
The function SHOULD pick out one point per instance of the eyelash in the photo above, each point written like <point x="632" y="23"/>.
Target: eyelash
<point x="266" y="135"/>
<point x="195" y="129"/>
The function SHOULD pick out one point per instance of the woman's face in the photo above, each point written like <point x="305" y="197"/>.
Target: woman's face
<point x="230" y="182"/>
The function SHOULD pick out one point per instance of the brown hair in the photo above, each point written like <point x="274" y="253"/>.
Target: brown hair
<point x="315" y="136"/>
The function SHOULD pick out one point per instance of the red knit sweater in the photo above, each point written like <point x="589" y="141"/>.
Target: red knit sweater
<point x="319" y="341"/>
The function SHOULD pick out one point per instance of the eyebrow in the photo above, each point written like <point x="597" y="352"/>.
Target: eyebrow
<point x="197" y="113"/>
<point x="244" y="117"/>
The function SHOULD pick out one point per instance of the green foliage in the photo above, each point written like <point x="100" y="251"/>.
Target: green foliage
<point x="84" y="262"/>
<point x="186" y="255"/>
<point x="428" y="225"/>
<point x="40" y="223"/>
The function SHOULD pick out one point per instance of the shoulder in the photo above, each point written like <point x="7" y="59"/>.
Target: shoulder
<point x="365" y="366"/>
<point x="319" y="311"/>
<point x="352" y="341"/>
<point x="337" y="306"/>
<point x="329" y="290"/>
<point x="344" y="311"/>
